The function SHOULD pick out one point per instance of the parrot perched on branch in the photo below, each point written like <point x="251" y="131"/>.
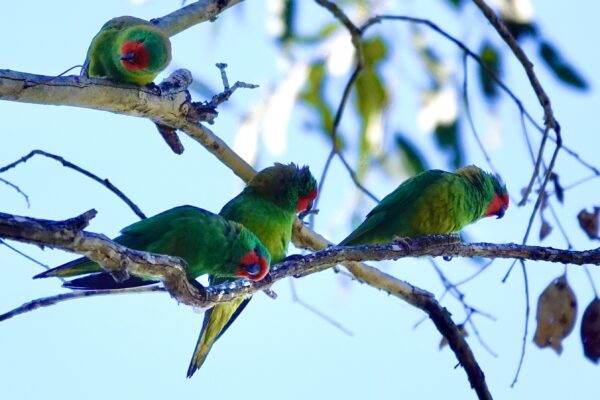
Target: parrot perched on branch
<point x="267" y="206"/>
<point x="128" y="50"/>
<point x="207" y="242"/>
<point x="432" y="202"/>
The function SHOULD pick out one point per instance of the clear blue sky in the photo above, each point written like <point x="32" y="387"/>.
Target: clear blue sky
<point x="139" y="346"/>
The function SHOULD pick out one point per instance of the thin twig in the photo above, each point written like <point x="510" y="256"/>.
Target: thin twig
<point x="536" y="169"/>
<point x="317" y="312"/>
<point x="474" y="275"/>
<point x="104" y="182"/>
<point x="480" y="338"/>
<point x="17" y="189"/>
<point x="355" y="178"/>
<point x="19" y="252"/>
<point x="527" y="311"/>
<point x="470" y="53"/>
<point x="469" y="310"/>
<point x="470" y="117"/>
<point x="589" y="276"/>
<point x="59" y="298"/>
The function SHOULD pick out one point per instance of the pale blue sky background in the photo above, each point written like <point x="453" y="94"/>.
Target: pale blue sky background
<point x="139" y="345"/>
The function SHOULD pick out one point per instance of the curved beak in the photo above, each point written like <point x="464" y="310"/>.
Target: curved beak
<point x="252" y="269"/>
<point x="129" y="57"/>
<point x="501" y="212"/>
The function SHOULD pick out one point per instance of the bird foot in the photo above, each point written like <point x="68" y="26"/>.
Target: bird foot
<point x="268" y="279"/>
<point x="199" y="287"/>
<point x="293" y="257"/>
<point x="454" y="238"/>
<point x="405" y="243"/>
<point x="154" y="89"/>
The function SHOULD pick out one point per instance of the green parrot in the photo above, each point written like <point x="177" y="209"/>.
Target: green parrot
<point x="432" y="202"/>
<point x="128" y="50"/>
<point x="207" y="242"/>
<point x="267" y="206"/>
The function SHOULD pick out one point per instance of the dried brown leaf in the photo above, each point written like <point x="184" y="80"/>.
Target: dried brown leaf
<point x="590" y="331"/>
<point x="556" y="311"/>
<point x="558" y="189"/>
<point x="545" y="230"/>
<point x="589" y="222"/>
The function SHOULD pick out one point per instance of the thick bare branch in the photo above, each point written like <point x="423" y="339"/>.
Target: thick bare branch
<point x="198" y="11"/>
<point x="99" y="94"/>
<point x="114" y="258"/>
<point x="122" y="262"/>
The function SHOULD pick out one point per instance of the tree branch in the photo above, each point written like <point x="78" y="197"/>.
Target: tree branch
<point x="188" y="16"/>
<point x="95" y="93"/>
<point x="122" y="262"/>
<point x="118" y="260"/>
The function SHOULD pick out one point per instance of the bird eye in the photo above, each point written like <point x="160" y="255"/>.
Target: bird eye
<point x="252" y="269"/>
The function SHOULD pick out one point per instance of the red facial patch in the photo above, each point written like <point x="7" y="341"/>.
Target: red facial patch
<point x="251" y="259"/>
<point x="498" y="205"/>
<point x="304" y="201"/>
<point x="135" y="55"/>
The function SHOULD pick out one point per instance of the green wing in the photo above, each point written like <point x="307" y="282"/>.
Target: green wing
<point x="393" y="216"/>
<point x="184" y="232"/>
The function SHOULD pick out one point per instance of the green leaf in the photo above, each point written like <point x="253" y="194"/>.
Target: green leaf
<point x="371" y="97"/>
<point x="314" y="97"/>
<point x="561" y="68"/>
<point x="411" y="156"/>
<point x="432" y="61"/>
<point x="456" y="3"/>
<point x="491" y="59"/>
<point x="447" y="137"/>
<point x="521" y="30"/>
<point x="288" y="17"/>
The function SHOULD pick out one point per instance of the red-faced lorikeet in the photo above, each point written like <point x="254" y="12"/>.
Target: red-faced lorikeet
<point x="207" y="242"/>
<point x="267" y="206"/>
<point x="128" y="50"/>
<point x="432" y="202"/>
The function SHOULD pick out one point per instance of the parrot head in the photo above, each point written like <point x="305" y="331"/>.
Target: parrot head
<point x="134" y="55"/>
<point x="307" y="191"/>
<point x="500" y="199"/>
<point x="494" y="193"/>
<point x="144" y="49"/>
<point x="290" y="187"/>
<point x="254" y="265"/>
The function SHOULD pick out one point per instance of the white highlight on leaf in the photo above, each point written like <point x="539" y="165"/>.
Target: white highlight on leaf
<point x="374" y="132"/>
<point x="439" y="108"/>
<point x="493" y="139"/>
<point x="516" y="10"/>
<point x="274" y="23"/>
<point x="271" y="117"/>
<point x="245" y="142"/>
<point x="341" y="58"/>
<point x="279" y="108"/>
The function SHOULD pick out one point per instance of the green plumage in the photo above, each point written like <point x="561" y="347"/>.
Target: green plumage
<point x="433" y="202"/>
<point x="207" y="242"/>
<point x="150" y="51"/>
<point x="267" y="206"/>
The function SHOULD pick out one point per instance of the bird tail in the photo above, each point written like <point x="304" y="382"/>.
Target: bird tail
<point x="216" y="321"/>
<point x="104" y="280"/>
<point x="79" y="266"/>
